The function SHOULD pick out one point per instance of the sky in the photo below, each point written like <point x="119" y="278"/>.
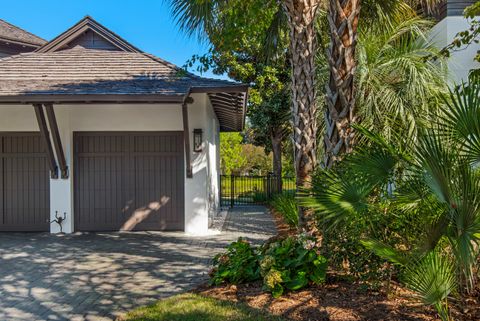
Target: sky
<point x="147" y="24"/>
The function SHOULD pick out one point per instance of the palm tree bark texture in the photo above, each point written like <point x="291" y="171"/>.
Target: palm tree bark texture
<point x="339" y="136"/>
<point x="301" y="19"/>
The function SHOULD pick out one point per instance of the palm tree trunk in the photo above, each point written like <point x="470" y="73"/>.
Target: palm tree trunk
<point x="340" y="114"/>
<point x="277" y="137"/>
<point x="301" y="19"/>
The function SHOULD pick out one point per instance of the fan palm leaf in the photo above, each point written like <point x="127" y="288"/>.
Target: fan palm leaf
<point x="432" y="278"/>
<point x="462" y="120"/>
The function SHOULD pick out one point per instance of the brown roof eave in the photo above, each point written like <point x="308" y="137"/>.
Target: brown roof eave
<point x="220" y="89"/>
<point x="227" y="89"/>
<point x="20" y="43"/>
<point x="90" y="99"/>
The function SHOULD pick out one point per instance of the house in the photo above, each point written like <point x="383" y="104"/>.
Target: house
<point x="95" y="130"/>
<point x="450" y="22"/>
<point x="14" y="40"/>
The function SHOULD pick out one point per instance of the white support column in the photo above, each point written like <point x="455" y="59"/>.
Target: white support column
<point x="61" y="190"/>
<point x="196" y="198"/>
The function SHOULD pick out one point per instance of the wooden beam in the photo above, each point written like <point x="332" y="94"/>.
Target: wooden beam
<point x="240" y="88"/>
<point x="94" y="98"/>
<point x="57" y="142"/>
<point x="46" y="140"/>
<point x="186" y="140"/>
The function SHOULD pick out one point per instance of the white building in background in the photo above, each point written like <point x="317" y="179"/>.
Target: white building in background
<point x="451" y="22"/>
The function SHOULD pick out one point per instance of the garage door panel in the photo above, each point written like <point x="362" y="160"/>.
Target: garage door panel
<point x="24" y="183"/>
<point x="135" y="179"/>
<point x="100" y="195"/>
<point x="155" y="193"/>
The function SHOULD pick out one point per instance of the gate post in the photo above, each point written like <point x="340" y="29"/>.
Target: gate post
<point x="232" y="190"/>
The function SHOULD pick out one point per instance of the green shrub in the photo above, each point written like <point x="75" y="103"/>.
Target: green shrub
<point x="259" y="197"/>
<point x="240" y="263"/>
<point x="286" y="205"/>
<point x="292" y="263"/>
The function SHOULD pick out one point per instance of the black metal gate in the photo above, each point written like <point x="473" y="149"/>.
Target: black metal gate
<point x="246" y="190"/>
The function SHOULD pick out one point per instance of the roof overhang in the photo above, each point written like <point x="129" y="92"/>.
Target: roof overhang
<point x="18" y="43"/>
<point x="229" y="102"/>
<point x="90" y="99"/>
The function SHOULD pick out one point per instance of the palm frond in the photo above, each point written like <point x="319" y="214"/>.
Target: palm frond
<point x="438" y="162"/>
<point x="432" y="278"/>
<point x="465" y="222"/>
<point x="386" y="252"/>
<point x="195" y="17"/>
<point x="462" y="119"/>
<point x="335" y="199"/>
<point x="396" y="84"/>
<point x="274" y="34"/>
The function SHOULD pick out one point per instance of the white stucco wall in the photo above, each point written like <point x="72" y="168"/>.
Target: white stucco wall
<point x="460" y="62"/>
<point x="213" y="150"/>
<point x="128" y="117"/>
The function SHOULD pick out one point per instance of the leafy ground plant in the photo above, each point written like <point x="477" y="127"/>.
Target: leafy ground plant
<point x="240" y="263"/>
<point x="292" y="263"/>
<point x="193" y="307"/>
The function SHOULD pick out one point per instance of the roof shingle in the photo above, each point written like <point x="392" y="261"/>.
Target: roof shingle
<point x="88" y="71"/>
<point x="91" y="75"/>
<point x="14" y="33"/>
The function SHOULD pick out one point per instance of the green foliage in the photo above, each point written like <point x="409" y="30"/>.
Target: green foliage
<point x="240" y="263"/>
<point x="232" y="157"/>
<point x="385" y="251"/>
<point x="414" y="201"/>
<point x="237" y="49"/>
<point x="398" y="87"/>
<point x="286" y="205"/>
<point x="292" y="263"/>
<point x="462" y="120"/>
<point x="237" y="157"/>
<point x="433" y="280"/>
<point x="258" y="162"/>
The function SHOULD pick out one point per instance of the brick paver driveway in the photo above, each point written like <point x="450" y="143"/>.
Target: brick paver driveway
<point x="99" y="276"/>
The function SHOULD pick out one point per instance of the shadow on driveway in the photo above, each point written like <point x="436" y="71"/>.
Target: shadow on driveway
<point x="99" y="276"/>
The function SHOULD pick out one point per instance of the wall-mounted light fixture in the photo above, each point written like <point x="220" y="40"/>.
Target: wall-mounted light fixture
<point x="197" y="140"/>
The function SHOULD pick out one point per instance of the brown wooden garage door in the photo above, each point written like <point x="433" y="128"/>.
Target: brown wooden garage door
<point x="129" y="181"/>
<point x="24" y="183"/>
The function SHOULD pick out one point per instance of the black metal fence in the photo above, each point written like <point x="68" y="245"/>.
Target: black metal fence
<point x="245" y="190"/>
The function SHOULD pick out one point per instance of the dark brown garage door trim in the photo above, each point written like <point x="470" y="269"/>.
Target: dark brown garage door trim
<point x="121" y="145"/>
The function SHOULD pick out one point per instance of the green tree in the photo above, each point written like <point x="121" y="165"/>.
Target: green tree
<point x="201" y="17"/>
<point x="232" y="159"/>
<point x="397" y="86"/>
<point x="237" y="50"/>
<point x="433" y="179"/>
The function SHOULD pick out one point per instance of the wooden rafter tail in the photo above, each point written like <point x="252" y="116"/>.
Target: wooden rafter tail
<point x="42" y="125"/>
<point x="186" y="139"/>
<point x="57" y="142"/>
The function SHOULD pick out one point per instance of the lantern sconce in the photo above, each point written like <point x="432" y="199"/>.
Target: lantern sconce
<point x="197" y="140"/>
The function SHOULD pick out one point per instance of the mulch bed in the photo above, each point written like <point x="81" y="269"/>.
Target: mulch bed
<point x="337" y="300"/>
